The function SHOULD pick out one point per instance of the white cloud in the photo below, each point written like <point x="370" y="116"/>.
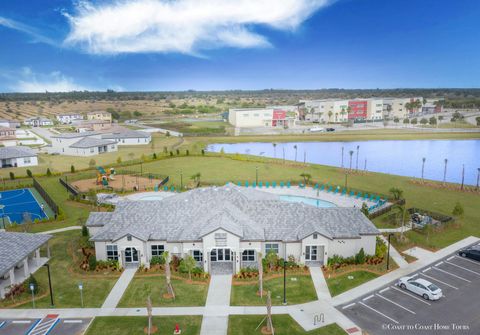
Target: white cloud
<point x="52" y="82"/>
<point x="183" y="26"/>
<point x="32" y="32"/>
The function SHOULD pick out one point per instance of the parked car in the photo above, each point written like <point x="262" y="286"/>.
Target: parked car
<point x="330" y="129"/>
<point x="421" y="287"/>
<point x="471" y="253"/>
<point x="316" y="130"/>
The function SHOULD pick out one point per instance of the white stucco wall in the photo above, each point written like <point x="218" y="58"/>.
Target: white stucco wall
<point x="23" y="161"/>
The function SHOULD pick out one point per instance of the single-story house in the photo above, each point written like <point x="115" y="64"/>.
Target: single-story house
<point x="38" y="122"/>
<point x="225" y="229"/>
<point x="7" y="133"/>
<point x="9" y="123"/>
<point x="129" y="137"/>
<point x="99" y="115"/>
<point x="81" y="144"/>
<point x="20" y="257"/>
<point x="17" y="156"/>
<point x="69" y="118"/>
<point x="93" y="125"/>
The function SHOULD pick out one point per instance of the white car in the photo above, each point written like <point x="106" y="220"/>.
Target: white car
<point x="421" y="287"/>
<point x="316" y="130"/>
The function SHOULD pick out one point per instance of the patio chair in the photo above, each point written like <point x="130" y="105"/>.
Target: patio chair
<point x="359" y="194"/>
<point x="344" y="191"/>
<point x="267" y="184"/>
<point x="315" y="187"/>
<point x="254" y="184"/>
<point x="352" y="193"/>
<point x="288" y="184"/>
<point x="322" y="187"/>
<point x="365" y="197"/>
<point x="172" y="188"/>
<point x="281" y="184"/>
<point x="246" y="183"/>
<point x="330" y="189"/>
<point x="274" y="184"/>
<point x="377" y="199"/>
<point x="260" y="184"/>
<point x="372" y="197"/>
<point x="165" y="188"/>
<point x="239" y="183"/>
<point x="336" y="190"/>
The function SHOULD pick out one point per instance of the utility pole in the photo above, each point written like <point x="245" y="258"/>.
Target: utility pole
<point x="342" y="156"/>
<point x="463" y="175"/>
<point x="256" y="175"/>
<point x="358" y="149"/>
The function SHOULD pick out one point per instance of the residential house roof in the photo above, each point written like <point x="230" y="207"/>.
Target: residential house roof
<point x="247" y="213"/>
<point x="16" y="152"/>
<point x="14" y="247"/>
<point x="75" y="135"/>
<point x="89" y="142"/>
<point x="127" y="134"/>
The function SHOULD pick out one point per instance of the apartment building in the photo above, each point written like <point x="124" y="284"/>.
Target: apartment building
<point x="260" y="117"/>
<point x="99" y="115"/>
<point x="69" y="118"/>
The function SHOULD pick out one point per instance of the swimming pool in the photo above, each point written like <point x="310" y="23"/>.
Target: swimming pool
<point x="308" y="201"/>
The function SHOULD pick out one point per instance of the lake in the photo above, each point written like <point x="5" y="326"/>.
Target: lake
<point x="400" y="157"/>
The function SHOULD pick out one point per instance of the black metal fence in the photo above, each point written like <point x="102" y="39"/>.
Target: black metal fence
<point x="69" y="187"/>
<point x="434" y="215"/>
<point x="386" y="209"/>
<point x="46" y="197"/>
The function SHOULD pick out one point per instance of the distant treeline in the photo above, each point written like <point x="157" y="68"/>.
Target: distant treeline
<point x="456" y="98"/>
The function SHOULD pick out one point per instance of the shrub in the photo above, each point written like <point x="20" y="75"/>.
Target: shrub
<point x="364" y="209"/>
<point x="92" y="262"/>
<point x="156" y="260"/>
<point x="380" y="248"/>
<point x="119" y="159"/>
<point x="171" y="153"/>
<point x="203" y="152"/>
<point x="49" y="173"/>
<point x="178" y="152"/>
<point x="167" y="134"/>
<point x="29" y="173"/>
<point x="31" y="280"/>
<point x="72" y="169"/>
<point x="360" y="257"/>
<point x="85" y="231"/>
<point x="187" y="152"/>
<point x="154" y="156"/>
<point x="458" y="209"/>
<point x="12" y="175"/>
<point x="92" y="163"/>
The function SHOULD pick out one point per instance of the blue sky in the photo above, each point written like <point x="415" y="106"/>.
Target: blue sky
<point x="62" y="45"/>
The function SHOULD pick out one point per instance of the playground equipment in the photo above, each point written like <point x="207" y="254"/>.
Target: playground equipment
<point x="104" y="175"/>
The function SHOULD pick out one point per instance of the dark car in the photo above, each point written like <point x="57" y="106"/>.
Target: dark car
<point x="470" y="253"/>
<point x="330" y="129"/>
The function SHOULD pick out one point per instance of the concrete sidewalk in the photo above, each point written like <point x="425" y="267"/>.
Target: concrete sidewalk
<point x="401" y="262"/>
<point x="320" y="283"/>
<point x="374" y="284"/>
<point x="215" y="317"/>
<point x="120" y="286"/>
<point x="60" y="230"/>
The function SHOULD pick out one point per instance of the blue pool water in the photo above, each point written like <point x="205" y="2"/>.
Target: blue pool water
<point x="400" y="157"/>
<point x="19" y="202"/>
<point x="309" y="201"/>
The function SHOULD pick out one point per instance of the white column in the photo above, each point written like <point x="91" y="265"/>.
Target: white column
<point x="37" y="257"/>
<point x="25" y="267"/>
<point x="12" y="276"/>
<point x="48" y="251"/>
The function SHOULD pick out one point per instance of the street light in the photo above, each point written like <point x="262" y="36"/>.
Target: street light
<point x="256" y="175"/>
<point x="49" y="283"/>
<point x="80" y="287"/>
<point x="388" y="251"/>
<point x="181" y="180"/>
<point x="284" y="282"/>
<point x="32" y="289"/>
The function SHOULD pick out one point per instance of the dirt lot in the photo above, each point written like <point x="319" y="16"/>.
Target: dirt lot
<point x="126" y="182"/>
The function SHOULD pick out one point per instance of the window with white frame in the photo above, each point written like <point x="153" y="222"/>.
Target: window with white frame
<point x="197" y="255"/>
<point x="248" y="255"/>
<point x="26" y="160"/>
<point x="271" y="247"/>
<point x="92" y="150"/>
<point x="157" y="249"/>
<point x="112" y="252"/>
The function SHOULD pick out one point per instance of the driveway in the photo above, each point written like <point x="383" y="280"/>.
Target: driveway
<point x="391" y="310"/>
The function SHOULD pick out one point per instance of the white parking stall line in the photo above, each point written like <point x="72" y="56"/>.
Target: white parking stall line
<point x="72" y="321"/>
<point x="385" y="289"/>
<point x="463" y="268"/>
<point x="469" y="260"/>
<point x="22" y="321"/>
<point x="369" y="297"/>
<point x="373" y="309"/>
<point x="396" y="304"/>
<point x="2" y="323"/>
<point x="456" y="288"/>
<point x="411" y="296"/>
<point x="348" y="306"/>
<point x="449" y="258"/>
<point x="439" y="263"/>
<point x="454" y="275"/>
<point x="427" y="269"/>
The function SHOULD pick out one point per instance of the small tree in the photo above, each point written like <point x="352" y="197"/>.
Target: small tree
<point x="29" y="173"/>
<point x="189" y="263"/>
<point x="414" y="121"/>
<point x="154" y="156"/>
<point x="92" y="163"/>
<point x="423" y="121"/>
<point x="432" y="121"/>
<point x="396" y="193"/>
<point x="85" y="232"/>
<point x="196" y="178"/>
<point x="440" y="117"/>
<point x="406" y="121"/>
<point x="119" y="159"/>
<point x="178" y="152"/>
<point x="458" y="210"/>
<point x="306" y="177"/>
<point x="72" y="169"/>
<point x="187" y="152"/>
<point x="360" y="257"/>
<point x="203" y="152"/>
<point x="478" y="120"/>
<point x="364" y="209"/>
<point x="396" y="120"/>
<point x="92" y="262"/>
<point x="12" y="175"/>
<point x="271" y="259"/>
<point x="170" y="291"/>
<point x="49" y="173"/>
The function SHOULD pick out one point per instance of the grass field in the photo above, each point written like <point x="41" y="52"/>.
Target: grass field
<point x="132" y="325"/>
<point x="186" y="294"/>
<point x="342" y="283"/>
<point x="300" y="289"/>
<point x="282" y="324"/>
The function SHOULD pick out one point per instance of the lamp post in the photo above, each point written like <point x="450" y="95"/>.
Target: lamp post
<point x="80" y="287"/>
<point x="284" y="282"/>
<point x="388" y="251"/>
<point x="478" y="178"/>
<point x="32" y="289"/>
<point x="256" y="175"/>
<point x="342" y="157"/>
<point x="49" y="284"/>
<point x="181" y="180"/>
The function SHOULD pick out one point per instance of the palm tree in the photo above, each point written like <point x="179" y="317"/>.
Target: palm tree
<point x="189" y="263"/>
<point x="274" y="150"/>
<point x="351" y="155"/>
<point x="330" y="113"/>
<point x="196" y="178"/>
<point x="343" y="112"/>
<point x="423" y="166"/>
<point x="306" y="177"/>
<point x="295" y="147"/>
<point x="396" y="193"/>
<point x="358" y="149"/>
<point x="445" y="171"/>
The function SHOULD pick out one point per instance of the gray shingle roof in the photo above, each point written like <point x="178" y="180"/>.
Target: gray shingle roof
<point x="14" y="247"/>
<point x="75" y="135"/>
<point x="16" y="152"/>
<point x="127" y="134"/>
<point x="89" y="142"/>
<point x="248" y="213"/>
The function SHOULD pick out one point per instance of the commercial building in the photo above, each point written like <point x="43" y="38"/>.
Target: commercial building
<point x="261" y="117"/>
<point x="69" y="118"/>
<point x="226" y="228"/>
<point x="129" y="137"/>
<point x="99" y="115"/>
<point x="20" y="257"/>
<point x="17" y="156"/>
<point x="81" y="144"/>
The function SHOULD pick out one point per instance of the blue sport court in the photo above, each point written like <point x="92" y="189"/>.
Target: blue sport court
<point x="19" y="202"/>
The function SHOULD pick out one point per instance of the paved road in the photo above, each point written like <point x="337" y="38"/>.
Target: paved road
<point x="43" y="132"/>
<point x="73" y="326"/>
<point x="391" y="310"/>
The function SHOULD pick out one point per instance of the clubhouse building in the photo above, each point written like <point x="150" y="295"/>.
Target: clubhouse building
<point x="225" y="229"/>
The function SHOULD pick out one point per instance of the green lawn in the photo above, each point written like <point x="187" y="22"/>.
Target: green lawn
<point x="66" y="277"/>
<point x="283" y="325"/>
<point x="132" y="325"/>
<point x="186" y="294"/>
<point x="342" y="283"/>
<point x="300" y="289"/>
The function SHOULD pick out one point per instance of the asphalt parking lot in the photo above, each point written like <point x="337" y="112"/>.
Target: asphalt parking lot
<point x="50" y="325"/>
<point x="391" y="310"/>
